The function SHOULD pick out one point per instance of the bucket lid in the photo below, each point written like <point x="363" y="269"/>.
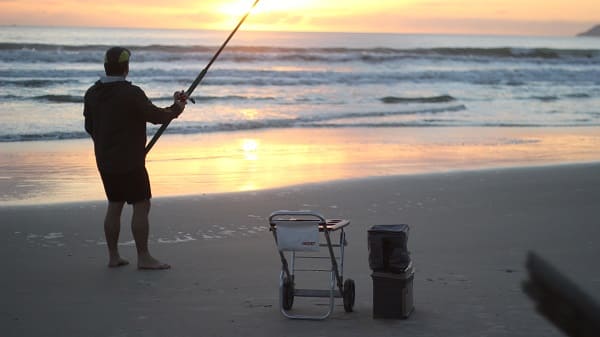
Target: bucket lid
<point x="389" y="228"/>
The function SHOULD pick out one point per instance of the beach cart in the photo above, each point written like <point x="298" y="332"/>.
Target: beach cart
<point x="298" y="235"/>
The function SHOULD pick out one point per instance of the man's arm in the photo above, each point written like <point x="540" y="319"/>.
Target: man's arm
<point x="156" y="115"/>
<point x="88" y="123"/>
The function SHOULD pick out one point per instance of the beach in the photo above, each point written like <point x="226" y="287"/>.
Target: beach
<point x="486" y="146"/>
<point x="46" y="172"/>
<point x="470" y="233"/>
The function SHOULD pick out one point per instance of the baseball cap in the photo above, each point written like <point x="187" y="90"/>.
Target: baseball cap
<point x="117" y="55"/>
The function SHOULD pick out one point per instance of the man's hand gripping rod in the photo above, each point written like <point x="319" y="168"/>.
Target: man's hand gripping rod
<point x="199" y="78"/>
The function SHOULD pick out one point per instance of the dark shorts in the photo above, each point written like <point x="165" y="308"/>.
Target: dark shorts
<point x="131" y="187"/>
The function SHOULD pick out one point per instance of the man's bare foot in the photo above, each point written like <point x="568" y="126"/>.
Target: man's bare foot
<point x="117" y="262"/>
<point x="151" y="263"/>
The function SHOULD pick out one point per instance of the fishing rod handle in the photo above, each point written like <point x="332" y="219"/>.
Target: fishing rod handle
<point x="194" y="84"/>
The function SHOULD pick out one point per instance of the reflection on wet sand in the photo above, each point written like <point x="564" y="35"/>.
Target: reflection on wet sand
<point x="48" y="172"/>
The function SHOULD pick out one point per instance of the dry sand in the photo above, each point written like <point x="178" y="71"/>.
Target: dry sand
<point x="470" y="232"/>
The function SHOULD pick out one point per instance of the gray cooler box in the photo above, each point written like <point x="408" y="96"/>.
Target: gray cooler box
<point x="393" y="294"/>
<point x="393" y="271"/>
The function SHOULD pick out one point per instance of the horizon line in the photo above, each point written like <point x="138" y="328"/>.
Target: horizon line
<point x="295" y="31"/>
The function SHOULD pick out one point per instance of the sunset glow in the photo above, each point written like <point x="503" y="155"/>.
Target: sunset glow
<point x="534" y="17"/>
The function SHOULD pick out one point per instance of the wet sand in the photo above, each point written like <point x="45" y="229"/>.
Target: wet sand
<point x="470" y="233"/>
<point x="65" y="171"/>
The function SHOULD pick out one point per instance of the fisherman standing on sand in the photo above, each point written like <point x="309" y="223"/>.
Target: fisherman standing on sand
<point x="116" y="113"/>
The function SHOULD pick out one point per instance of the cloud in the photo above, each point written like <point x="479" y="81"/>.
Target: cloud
<point x="429" y="16"/>
<point x="279" y="18"/>
<point x="410" y="22"/>
<point x="200" y="18"/>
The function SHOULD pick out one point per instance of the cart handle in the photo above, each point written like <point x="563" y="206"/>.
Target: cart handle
<point x="324" y="224"/>
<point x="297" y="213"/>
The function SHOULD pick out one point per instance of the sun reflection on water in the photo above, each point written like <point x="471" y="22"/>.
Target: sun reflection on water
<point x="250" y="149"/>
<point x="255" y="160"/>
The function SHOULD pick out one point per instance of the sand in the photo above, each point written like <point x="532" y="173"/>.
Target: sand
<point x="470" y="233"/>
<point x="65" y="171"/>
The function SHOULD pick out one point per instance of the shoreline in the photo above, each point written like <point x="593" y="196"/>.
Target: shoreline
<point x="64" y="171"/>
<point x="470" y="233"/>
<point x="315" y="185"/>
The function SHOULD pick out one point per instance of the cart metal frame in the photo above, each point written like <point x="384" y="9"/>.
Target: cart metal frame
<point x="287" y="288"/>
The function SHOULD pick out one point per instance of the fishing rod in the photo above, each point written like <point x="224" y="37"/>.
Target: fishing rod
<point x="199" y="78"/>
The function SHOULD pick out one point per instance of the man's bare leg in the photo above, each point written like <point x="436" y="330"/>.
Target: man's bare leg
<point x="112" y="228"/>
<point x="140" y="228"/>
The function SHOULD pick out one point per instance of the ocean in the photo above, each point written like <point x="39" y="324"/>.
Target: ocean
<point x="283" y="80"/>
<point x="339" y="82"/>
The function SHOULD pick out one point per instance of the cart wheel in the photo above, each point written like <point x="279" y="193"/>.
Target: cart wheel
<point x="349" y="294"/>
<point x="288" y="293"/>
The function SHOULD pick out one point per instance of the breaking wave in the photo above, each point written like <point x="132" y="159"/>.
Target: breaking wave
<point x="432" y="99"/>
<point x="173" y="53"/>
<point x="191" y="128"/>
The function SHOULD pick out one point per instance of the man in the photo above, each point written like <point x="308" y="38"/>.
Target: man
<point x="116" y="113"/>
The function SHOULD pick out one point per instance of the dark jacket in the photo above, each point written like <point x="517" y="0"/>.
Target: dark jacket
<point x="115" y="116"/>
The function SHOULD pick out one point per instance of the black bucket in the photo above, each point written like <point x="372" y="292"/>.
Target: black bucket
<point x="388" y="250"/>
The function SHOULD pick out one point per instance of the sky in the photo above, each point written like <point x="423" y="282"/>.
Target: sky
<point x="498" y="17"/>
